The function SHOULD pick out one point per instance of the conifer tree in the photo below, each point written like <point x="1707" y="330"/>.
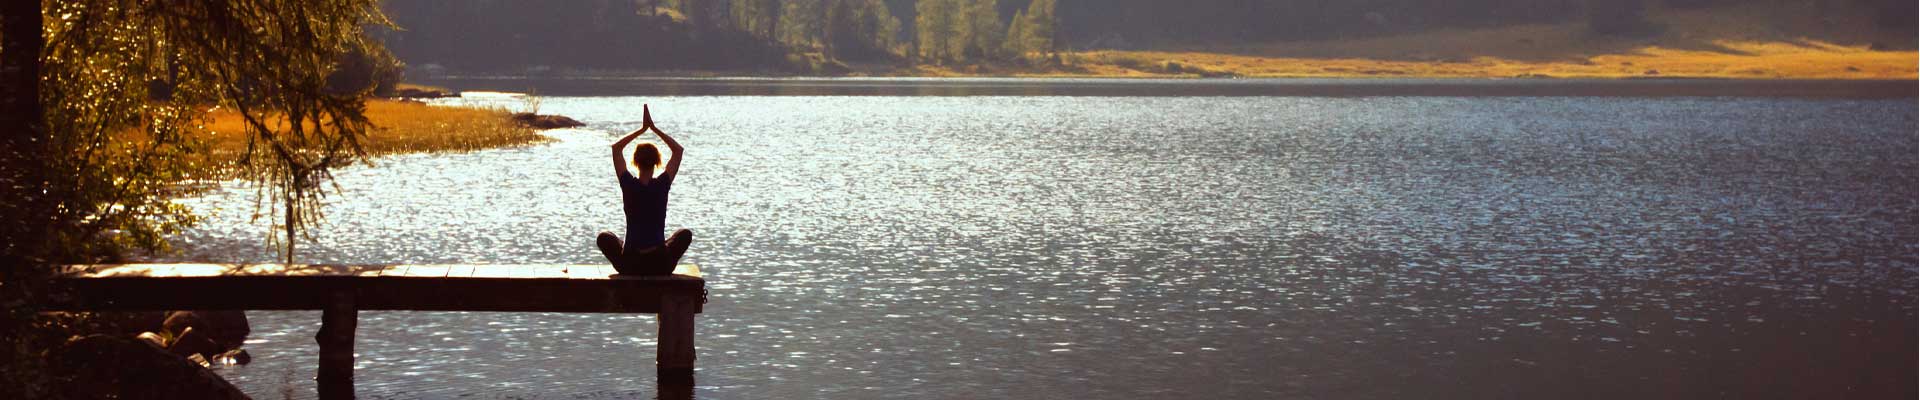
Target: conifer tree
<point x="1017" y="40"/>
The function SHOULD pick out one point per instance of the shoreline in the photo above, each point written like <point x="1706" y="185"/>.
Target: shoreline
<point x="1158" y="86"/>
<point x="1732" y="60"/>
<point x="398" y="127"/>
<point x="906" y="73"/>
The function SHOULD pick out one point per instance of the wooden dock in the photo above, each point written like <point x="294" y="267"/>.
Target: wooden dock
<point x="341" y="291"/>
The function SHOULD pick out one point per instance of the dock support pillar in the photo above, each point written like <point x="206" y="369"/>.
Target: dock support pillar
<point x="337" y="323"/>
<point x="675" y="359"/>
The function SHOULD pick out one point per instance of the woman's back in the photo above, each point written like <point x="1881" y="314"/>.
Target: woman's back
<point x="644" y="199"/>
<point x="646" y="206"/>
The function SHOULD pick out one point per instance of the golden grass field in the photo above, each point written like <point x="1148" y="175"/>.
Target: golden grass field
<point x="1753" y="42"/>
<point x="1754" y="60"/>
<point x="398" y="127"/>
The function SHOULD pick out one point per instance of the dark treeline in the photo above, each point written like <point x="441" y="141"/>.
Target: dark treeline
<point x="1162" y="24"/>
<point x="503" y="35"/>
<point x="1150" y="23"/>
<point x="802" y="35"/>
<point x="812" y="35"/>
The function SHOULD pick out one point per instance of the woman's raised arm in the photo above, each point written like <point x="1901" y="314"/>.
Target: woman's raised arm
<point x="620" y="157"/>
<point x="673" y="165"/>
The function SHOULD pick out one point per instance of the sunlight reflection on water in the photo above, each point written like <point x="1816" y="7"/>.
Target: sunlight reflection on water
<point x="1063" y="247"/>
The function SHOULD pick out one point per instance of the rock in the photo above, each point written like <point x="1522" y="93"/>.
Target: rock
<point x="1652" y="72"/>
<point x="234" y="357"/>
<point x="546" y="121"/>
<point x="153" y="339"/>
<point x="214" y="331"/>
<point x="103" y="367"/>
<point x="196" y="359"/>
<point x="192" y="343"/>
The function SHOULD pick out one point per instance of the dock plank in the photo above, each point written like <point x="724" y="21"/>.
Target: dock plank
<point x="130" y="270"/>
<point x="428" y="271"/>
<point x="397" y="270"/>
<point x="542" y="272"/>
<point x="494" y="271"/>
<point x="597" y="271"/>
<point x="364" y="270"/>
<point x="428" y="287"/>
<point x="584" y="272"/>
<point x="342" y="291"/>
<point x="261" y="270"/>
<point x="460" y="271"/>
<point x="692" y="270"/>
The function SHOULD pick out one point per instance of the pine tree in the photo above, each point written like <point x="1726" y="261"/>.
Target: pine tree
<point x="802" y="22"/>
<point x="985" y="37"/>
<point x="1016" y="43"/>
<point x="1042" y="28"/>
<point x="934" y="27"/>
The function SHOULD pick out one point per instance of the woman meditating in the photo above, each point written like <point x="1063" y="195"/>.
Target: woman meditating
<point x="645" y="199"/>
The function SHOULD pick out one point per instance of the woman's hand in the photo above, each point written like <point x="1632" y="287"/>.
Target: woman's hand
<point x="620" y="157"/>
<point x="673" y="163"/>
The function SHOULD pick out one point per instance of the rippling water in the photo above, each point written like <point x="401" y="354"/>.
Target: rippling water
<point x="1251" y="247"/>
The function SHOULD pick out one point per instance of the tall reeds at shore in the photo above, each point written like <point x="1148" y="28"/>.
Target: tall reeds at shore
<point x="398" y="127"/>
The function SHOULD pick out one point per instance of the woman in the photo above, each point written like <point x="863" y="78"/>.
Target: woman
<point x="645" y="199"/>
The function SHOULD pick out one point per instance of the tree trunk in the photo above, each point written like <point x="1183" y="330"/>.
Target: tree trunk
<point x="22" y="131"/>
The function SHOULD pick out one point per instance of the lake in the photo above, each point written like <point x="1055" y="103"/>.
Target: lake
<point x="1091" y="245"/>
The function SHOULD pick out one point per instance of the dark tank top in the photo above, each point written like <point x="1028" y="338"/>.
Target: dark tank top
<point x="646" y="207"/>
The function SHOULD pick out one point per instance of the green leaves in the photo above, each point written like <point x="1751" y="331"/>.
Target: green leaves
<point x="124" y="82"/>
<point x="970" y="30"/>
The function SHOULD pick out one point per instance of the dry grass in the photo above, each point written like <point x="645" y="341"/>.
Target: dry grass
<point x="1729" y="42"/>
<point x="1752" y="60"/>
<point x="399" y="127"/>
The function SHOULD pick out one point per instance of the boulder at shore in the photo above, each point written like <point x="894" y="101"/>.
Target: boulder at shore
<point x="107" y="367"/>
<point x="213" y="332"/>
<point x="546" y="121"/>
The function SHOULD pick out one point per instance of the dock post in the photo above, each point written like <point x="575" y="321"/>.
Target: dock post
<point x="337" y="323"/>
<point x="675" y="359"/>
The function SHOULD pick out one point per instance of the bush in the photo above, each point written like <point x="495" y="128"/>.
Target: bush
<point x="366" y="68"/>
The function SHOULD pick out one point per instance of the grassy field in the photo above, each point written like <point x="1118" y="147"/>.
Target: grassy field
<point x="1740" y="60"/>
<point x="399" y="127"/>
<point x="1749" y="42"/>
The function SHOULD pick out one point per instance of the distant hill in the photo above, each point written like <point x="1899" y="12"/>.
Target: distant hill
<point x="812" y="36"/>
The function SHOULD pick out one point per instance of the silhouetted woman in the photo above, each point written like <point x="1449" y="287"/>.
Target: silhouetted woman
<point x="645" y="199"/>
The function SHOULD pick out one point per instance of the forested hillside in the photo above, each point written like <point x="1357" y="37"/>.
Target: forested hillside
<point x="826" y="36"/>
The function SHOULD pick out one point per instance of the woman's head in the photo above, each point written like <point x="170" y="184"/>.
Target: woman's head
<point x="646" y="157"/>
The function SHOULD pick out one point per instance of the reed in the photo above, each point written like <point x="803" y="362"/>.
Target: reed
<point x="398" y="127"/>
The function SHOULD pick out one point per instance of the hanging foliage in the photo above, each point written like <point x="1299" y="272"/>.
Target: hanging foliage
<point x="126" y="85"/>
